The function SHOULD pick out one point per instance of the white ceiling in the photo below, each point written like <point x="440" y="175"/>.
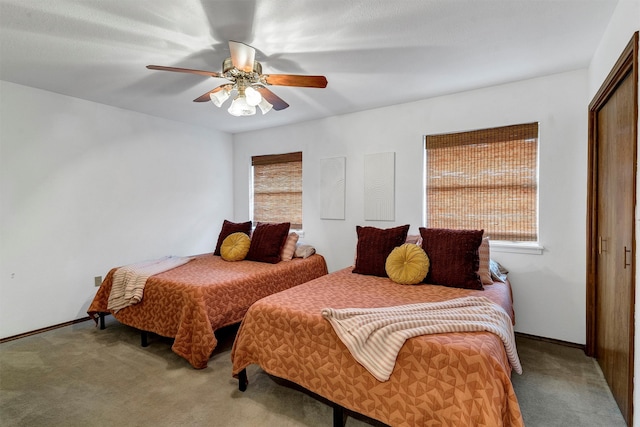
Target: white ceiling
<point x="373" y="52"/>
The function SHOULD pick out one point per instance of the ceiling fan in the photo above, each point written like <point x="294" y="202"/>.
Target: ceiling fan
<point x="246" y="78"/>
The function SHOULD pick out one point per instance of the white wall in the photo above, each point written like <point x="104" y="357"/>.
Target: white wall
<point x="624" y="22"/>
<point x="549" y="289"/>
<point x="86" y="187"/>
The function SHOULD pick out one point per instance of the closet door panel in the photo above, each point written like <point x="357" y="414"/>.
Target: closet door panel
<point x="615" y="215"/>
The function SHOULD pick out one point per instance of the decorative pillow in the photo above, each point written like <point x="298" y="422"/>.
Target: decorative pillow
<point x="289" y="247"/>
<point x="414" y="238"/>
<point x="228" y="228"/>
<point x="304" y="251"/>
<point x="235" y="247"/>
<point x="407" y="264"/>
<point x="374" y="246"/>
<point x="498" y="272"/>
<point x="484" y="254"/>
<point x="267" y="241"/>
<point x="453" y="255"/>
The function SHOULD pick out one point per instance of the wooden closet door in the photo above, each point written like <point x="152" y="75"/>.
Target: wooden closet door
<point x="614" y="281"/>
<point x="613" y="138"/>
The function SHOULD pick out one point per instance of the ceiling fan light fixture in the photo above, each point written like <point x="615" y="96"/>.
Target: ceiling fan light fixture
<point x="265" y="106"/>
<point x="244" y="74"/>
<point x="253" y="96"/>
<point x="240" y="107"/>
<point x="219" y="97"/>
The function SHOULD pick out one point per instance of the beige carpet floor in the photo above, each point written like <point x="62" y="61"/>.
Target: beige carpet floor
<point x="81" y="376"/>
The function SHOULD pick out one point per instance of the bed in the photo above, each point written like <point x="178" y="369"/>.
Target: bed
<point x="456" y="379"/>
<point x="190" y="302"/>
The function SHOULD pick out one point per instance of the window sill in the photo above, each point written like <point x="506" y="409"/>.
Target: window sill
<point x="516" y="247"/>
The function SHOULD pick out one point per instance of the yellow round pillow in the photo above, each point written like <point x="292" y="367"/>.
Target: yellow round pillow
<point x="235" y="247"/>
<point x="407" y="264"/>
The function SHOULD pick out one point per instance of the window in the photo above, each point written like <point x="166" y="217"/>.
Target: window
<point x="484" y="179"/>
<point x="277" y="188"/>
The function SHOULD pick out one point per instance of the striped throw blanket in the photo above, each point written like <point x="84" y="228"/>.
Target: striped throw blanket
<point x="129" y="281"/>
<point x="374" y="336"/>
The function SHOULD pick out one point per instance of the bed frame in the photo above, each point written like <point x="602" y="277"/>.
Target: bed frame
<point x="190" y="302"/>
<point x="315" y="354"/>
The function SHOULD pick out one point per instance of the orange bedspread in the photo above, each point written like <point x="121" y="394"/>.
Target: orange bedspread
<point x="453" y="379"/>
<point x="190" y="302"/>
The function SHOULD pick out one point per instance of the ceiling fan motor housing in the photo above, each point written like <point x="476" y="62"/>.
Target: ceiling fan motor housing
<point x="232" y="73"/>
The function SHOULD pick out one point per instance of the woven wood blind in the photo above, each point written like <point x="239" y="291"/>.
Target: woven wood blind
<point x="484" y="179"/>
<point x="277" y="188"/>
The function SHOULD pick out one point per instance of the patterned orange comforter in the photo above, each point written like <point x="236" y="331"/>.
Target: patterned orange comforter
<point x="453" y="379"/>
<point x="190" y="302"/>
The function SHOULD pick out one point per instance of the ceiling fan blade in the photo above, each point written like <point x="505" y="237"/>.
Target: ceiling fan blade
<point x="295" y="80"/>
<point x="242" y="56"/>
<point x="206" y="97"/>
<point x="185" y="70"/>
<point x="273" y="99"/>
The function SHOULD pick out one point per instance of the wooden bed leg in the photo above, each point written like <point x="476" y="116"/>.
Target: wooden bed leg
<point x="101" y="316"/>
<point x="144" y="338"/>
<point x="338" y="416"/>
<point x="242" y="380"/>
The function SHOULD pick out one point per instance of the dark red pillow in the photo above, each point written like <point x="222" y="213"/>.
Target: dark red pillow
<point x="228" y="228"/>
<point x="267" y="241"/>
<point x="374" y="246"/>
<point x="453" y="257"/>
